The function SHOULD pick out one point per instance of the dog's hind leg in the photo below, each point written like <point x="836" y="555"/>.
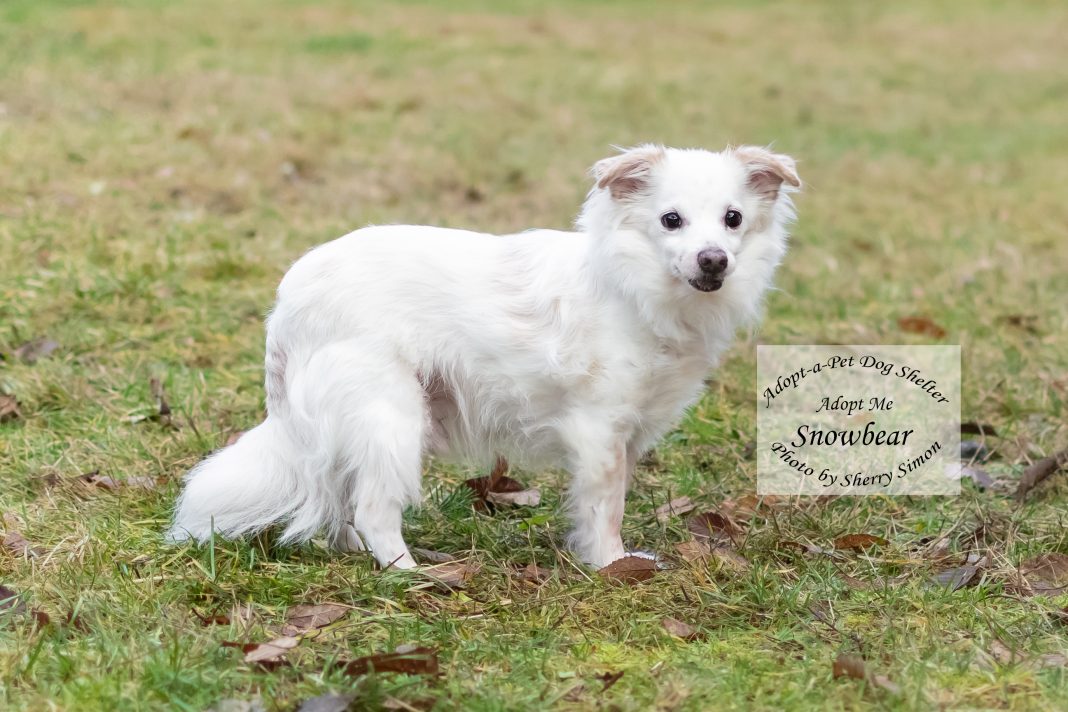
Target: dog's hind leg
<point x="374" y="411"/>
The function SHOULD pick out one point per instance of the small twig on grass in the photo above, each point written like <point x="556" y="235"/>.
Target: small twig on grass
<point x="1039" y="471"/>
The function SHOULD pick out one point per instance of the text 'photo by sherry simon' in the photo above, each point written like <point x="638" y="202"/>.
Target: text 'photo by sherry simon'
<point x="858" y="420"/>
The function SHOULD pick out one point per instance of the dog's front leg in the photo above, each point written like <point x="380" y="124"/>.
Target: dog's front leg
<point x="595" y="502"/>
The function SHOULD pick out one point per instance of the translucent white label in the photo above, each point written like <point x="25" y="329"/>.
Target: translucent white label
<point x="858" y="420"/>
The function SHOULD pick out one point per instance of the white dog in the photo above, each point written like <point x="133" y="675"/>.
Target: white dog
<point x="578" y="349"/>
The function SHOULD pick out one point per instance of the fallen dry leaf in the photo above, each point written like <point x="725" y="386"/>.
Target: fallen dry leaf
<point x="523" y="498"/>
<point x="609" y="679"/>
<point x="408" y="660"/>
<point x="1047" y="575"/>
<point x="211" y="618"/>
<point x="327" y="703"/>
<point x="453" y="574"/>
<point x="630" y="569"/>
<point x="9" y="408"/>
<point x="974" y="428"/>
<point x="12" y="606"/>
<point x="33" y="351"/>
<point x="745" y="507"/>
<point x="497" y="488"/>
<point x="303" y="618"/>
<point x="679" y="629"/>
<point x="730" y="559"/>
<point x="268" y="655"/>
<point x="677" y="506"/>
<point x="1039" y="471"/>
<point x="921" y="325"/>
<point x="233" y="438"/>
<point x="532" y="573"/>
<point x="96" y="480"/>
<point x="17" y="544"/>
<point x="859" y="542"/>
<point x="955" y="579"/>
<point x="713" y="525"/>
<point x="808" y="548"/>
<point x="853" y="666"/>
<point x="849" y="666"/>
<point x="693" y="551"/>
<point x="434" y="557"/>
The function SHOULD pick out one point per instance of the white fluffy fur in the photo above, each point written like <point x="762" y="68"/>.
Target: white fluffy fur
<point x="578" y="349"/>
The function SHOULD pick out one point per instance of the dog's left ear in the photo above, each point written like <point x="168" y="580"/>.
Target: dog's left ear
<point x="767" y="171"/>
<point x="628" y="174"/>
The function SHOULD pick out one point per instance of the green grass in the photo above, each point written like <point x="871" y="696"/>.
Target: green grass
<point x="163" y="163"/>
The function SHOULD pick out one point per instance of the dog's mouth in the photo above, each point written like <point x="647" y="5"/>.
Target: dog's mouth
<point x="706" y="284"/>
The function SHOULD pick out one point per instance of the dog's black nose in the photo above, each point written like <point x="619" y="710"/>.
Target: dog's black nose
<point x="712" y="261"/>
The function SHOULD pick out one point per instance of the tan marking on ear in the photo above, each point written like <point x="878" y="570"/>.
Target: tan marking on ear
<point x="767" y="170"/>
<point x="628" y="174"/>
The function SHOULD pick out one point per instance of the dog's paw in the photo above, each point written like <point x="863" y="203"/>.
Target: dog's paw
<point x="347" y="541"/>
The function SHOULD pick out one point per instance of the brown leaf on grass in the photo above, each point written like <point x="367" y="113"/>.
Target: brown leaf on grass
<point x="679" y="629"/>
<point x="677" y="506"/>
<point x="609" y="679"/>
<point x="853" y="666"/>
<point x="211" y="618"/>
<point x="956" y="579"/>
<point x="497" y="488"/>
<point x="523" y="498"/>
<point x="9" y="408"/>
<point x="1039" y="471"/>
<point x="729" y="559"/>
<point x="268" y="655"/>
<point x="1047" y="575"/>
<point x="303" y="618"/>
<point x="12" y="607"/>
<point x="17" y="545"/>
<point x="532" y="573"/>
<point x="408" y="660"/>
<point x="95" y="480"/>
<point x="858" y="542"/>
<point x="1025" y="322"/>
<point x="713" y="525"/>
<point x="973" y="428"/>
<point x="630" y="569"/>
<point x="452" y="574"/>
<point x="808" y="548"/>
<point x="33" y="351"/>
<point x="744" y="508"/>
<point x="849" y="666"/>
<point x="233" y="438"/>
<point x="434" y="557"/>
<point x="76" y="621"/>
<point x="921" y="325"/>
<point x="693" y="551"/>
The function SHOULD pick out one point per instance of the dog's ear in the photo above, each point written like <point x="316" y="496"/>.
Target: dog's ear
<point x="628" y="174"/>
<point x="767" y="171"/>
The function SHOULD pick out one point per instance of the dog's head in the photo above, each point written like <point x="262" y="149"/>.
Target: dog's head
<point x="701" y="215"/>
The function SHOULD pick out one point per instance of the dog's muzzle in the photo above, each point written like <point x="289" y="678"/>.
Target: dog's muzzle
<point x="712" y="266"/>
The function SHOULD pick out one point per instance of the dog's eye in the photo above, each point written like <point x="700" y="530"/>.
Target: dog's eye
<point x="671" y="220"/>
<point x="732" y="219"/>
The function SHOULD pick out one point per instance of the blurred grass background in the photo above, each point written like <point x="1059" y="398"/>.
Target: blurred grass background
<point x="161" y="164"/>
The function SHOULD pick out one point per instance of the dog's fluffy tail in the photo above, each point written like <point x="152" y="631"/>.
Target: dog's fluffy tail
<point x="243" y="489"/>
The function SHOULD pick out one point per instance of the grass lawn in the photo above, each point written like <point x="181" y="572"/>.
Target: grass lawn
<point x="161" y="164"/>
